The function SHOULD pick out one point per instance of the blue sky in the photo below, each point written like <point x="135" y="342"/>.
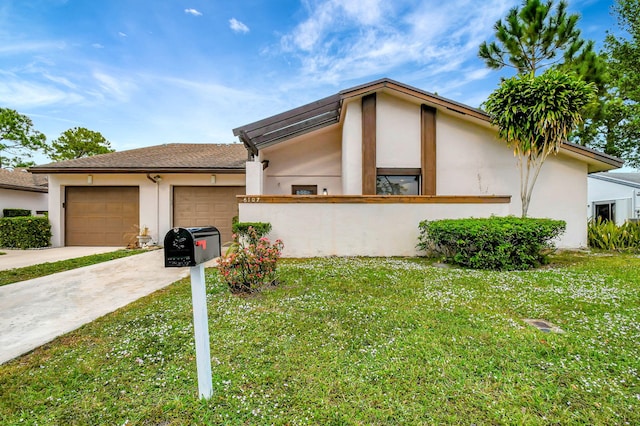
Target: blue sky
<point x="148" y="72"/>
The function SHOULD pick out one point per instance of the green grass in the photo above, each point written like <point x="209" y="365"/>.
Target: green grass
<point x="15" y="275"/>
<point x="355" y="341"/>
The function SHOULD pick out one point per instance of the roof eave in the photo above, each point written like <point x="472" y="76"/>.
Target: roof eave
<point x="597" y="161"/>
<point x="24" y="188"/>
<point x="617" y="181"/>
<point x="113" y="170"/>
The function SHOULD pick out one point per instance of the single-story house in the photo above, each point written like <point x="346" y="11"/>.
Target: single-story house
<point x="106" y="199"/>
<point x="354" y="173"/>
<point x="614" y="196"/>
<point x="20" y="189"/>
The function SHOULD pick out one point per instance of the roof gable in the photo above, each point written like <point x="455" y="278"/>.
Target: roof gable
<point x="329" y="111"/>
<point x="176" y="158"/>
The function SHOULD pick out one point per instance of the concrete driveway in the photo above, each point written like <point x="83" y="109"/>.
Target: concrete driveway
<point x="35" y="312"/>
<point x="20" y="258"/>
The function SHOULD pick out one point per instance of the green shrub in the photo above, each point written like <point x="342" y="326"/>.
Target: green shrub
<point x="241" y="230"/>
<point x="25" y="232"/>
<point x="606" y="235"/>
<point x="16" y="212"/>
<point x="499" y="243"/>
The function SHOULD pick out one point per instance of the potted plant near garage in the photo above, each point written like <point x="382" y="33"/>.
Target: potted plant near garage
<point x="143" y="236"/>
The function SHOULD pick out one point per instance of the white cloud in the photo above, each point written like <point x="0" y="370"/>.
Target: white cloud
<point x="18" y="93"/>
<point x="121" y="34"/>
<point x="238" y="26"/>
<point x="97" y="46"/>
<point x="349" y="40"/>
<point x="30" y="46"/>
<point x="193" y="12"/>
<point x="114" y="87"/>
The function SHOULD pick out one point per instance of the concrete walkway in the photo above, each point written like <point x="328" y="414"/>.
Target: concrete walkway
<point x="20" y="258"/>
<point x="35" y="312"/>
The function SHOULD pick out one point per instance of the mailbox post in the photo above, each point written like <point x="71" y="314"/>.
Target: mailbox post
<point x="193" y="247"/>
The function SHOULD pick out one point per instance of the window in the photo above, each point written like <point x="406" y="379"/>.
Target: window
<point x="605" y="211"/>
<point x="398" y="182"/>
<point x="304" y="189"/>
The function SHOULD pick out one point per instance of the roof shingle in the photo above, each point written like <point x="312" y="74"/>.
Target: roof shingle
<point x="175" y="157"/>
<point x="20" y="179"/>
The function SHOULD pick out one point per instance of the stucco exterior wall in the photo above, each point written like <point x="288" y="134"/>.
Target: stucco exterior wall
<point x="472" y="161"/>
<point x="156" y="204"/>
<point x="397" y="132"/>
<point x="308" y="160"/>
<point x="15" y="199"/>
<point x="352" y="148"/>
<point x="309" y="230"/>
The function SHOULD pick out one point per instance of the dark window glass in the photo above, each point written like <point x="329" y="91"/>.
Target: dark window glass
<point x="397" y="185"/>
<point x="606" y="211"/>
<point x="304" y="189"/>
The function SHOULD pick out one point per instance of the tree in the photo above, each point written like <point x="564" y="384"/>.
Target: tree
<point x="18" y="139"/>
<point x="534" y="115"/>
<point x="78" y="142"/>
<point x="536" y="36"/>
<point x="615" y="125"/>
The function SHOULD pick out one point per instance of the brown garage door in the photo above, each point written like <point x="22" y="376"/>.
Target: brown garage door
<point x="101" y="215"/>
<point x="206" y="206"/>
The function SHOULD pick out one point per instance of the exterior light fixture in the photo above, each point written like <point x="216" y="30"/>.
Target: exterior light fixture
<point x="213" y="179"/>
<point x="325" y="192"/>
<point x="90" y="179"/>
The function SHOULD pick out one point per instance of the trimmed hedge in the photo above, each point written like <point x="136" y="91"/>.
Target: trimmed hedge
<point x="498" y="243"/>
<point x="25" y="232"/>
<point x="16" y="212"/>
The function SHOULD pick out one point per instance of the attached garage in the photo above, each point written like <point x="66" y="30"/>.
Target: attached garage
<point x="101" y="216"/>
<point x="98" y="200"/>
<point x="206" y="206"/>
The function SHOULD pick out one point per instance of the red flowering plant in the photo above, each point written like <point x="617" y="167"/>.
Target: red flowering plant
<point x="250" y="263"/>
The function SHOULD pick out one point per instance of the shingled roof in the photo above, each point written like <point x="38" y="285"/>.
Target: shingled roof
<point x="169" y="158"/>
<point x="22" y="180"/>
<point x="629" y="179"/>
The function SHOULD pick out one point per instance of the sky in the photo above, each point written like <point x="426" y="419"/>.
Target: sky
<point x="150" y="72"/>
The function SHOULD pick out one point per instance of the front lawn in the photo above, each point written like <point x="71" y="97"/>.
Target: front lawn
<point x="356" y="341"/>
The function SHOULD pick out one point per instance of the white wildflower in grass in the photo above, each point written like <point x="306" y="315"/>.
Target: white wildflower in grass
<point x="355" y="341"/>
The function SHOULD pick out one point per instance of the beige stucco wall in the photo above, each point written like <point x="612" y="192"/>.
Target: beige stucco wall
<point x="313" y="159"/>
<point x="309" y="230"/>
<point x="352" y="148"/>
<point x="397" y="132"/>
<point x="14" y="199"/>
<point x="471" y="161"/>
<point x="156" y="204"/>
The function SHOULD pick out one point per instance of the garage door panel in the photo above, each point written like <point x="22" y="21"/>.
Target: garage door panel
<point x="206" y="206"/>
<point x="101" y="216"/>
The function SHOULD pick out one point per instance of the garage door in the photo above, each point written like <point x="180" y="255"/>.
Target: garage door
<point x="101" y="215"/>
<point x="206" y="206"/>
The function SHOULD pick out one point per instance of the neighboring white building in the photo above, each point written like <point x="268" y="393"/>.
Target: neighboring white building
<point x="384" y="156"/>
<point x="614" y="196"/>
<point x="20" y="189"/>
